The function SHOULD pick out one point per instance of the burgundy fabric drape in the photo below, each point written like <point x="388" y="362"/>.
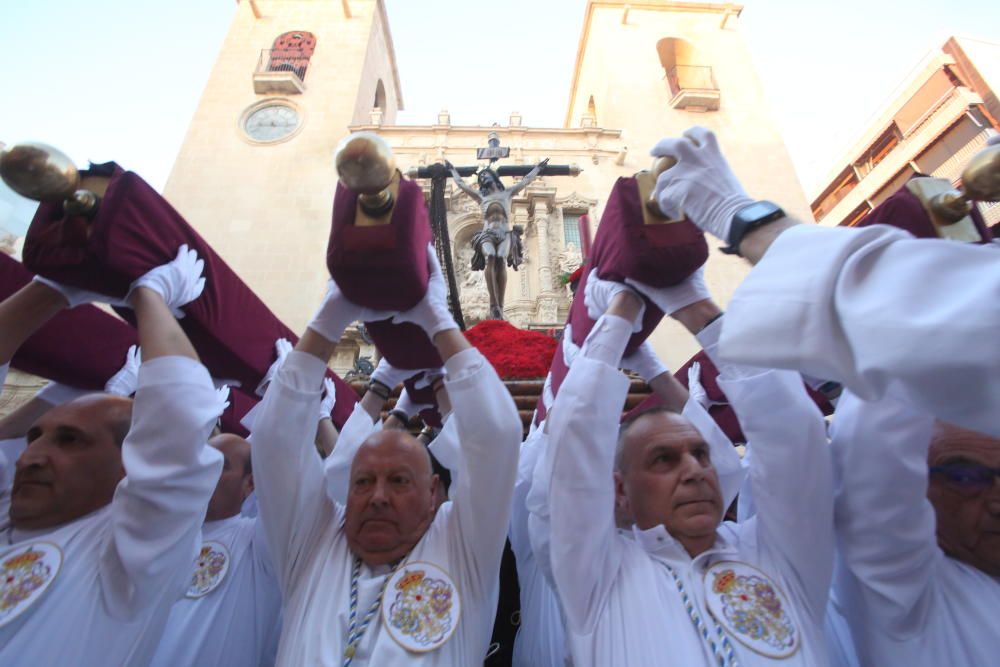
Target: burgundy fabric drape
<point x="135" y="230"/>
<point x="904" y="210"/>
<point x="81" y="347"/>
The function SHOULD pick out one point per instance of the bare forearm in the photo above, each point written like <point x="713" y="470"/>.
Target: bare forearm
<point x="756" y="242"/>
<point x="698" y="315"/>
<point x="317" y="345"/>
<point x="159" y="333"/>
<point x="326" y="437"/>
<point x="449" y="343"/>
<point x="23" y="313"/>
<point x="670" y="390"/>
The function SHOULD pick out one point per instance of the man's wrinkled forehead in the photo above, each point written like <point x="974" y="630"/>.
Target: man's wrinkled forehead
<point x="392" y="447"/>
<point x="950" y="441"/>
<point x="657" y="429"/>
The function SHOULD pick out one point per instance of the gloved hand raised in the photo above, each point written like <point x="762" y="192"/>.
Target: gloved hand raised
<point x="336" y="313"/>
<point x="282" y="347"/>
<point x="598" y="294"/>
<point x="701" y="185"/>
<point x="329" y="399"/>
<point x="124" y="382"/>
<point x="179" y="282"/>
<point x="645" y="362"/>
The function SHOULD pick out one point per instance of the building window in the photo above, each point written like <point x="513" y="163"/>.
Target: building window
<point x="878" y="151"/>
<point x="379" y="96"/>
<point x="857" y="215"/>
<point x="690" y="79"/>
<point x="291" y="52"/>
<point x="571" y="228"/>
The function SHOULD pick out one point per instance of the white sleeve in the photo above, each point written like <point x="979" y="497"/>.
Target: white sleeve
<point x="577" y="470"/>
<point x="885" y="524"/>
<point x="791" y="475"/>
<point x="288" y="475"/>
<point x="170" y="474"/>
<point x="337" y="466"/>
<point x="519" y="531"/>
<point x="866" y="307"/>
<point x="446" y="448"/>
<point x="489" y="432"/>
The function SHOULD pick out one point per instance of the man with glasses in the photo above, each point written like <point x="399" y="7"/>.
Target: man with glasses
<point x="918" y="529"/>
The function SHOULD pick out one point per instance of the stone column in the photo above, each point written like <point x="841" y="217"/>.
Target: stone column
<point x="544" y="254"/>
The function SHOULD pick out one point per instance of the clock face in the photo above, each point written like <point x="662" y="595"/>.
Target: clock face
<point x="271" y="123"/>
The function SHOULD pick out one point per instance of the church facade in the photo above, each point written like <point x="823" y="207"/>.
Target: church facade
<point x="255" y="173"/>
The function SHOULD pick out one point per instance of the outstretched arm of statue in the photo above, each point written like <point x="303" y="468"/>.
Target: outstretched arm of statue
<point x="528" y="178"/>
<point x="462" y="185"/>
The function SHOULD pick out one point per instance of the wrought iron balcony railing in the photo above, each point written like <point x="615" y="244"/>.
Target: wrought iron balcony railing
<point x="691" y="77"/>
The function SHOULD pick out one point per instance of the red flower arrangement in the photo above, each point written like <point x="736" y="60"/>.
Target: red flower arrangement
<point x="515" y="353"/>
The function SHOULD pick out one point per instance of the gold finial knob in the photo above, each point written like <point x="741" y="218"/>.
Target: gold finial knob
<point x="981" y="179"/>
<point x="660" y="165"/>
<point x="366" y="165"/>
<point x="980" y="182"/>
<point x="39" y="171"/>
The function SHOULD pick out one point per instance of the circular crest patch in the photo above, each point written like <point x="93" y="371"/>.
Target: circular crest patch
<point x="210" y="568"/>
<point x="751" y="608"/>
<point x="26" y="572"/>
<point x="421" y="607"/>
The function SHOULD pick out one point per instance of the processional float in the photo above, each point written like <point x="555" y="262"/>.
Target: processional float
<point x="101" y="228"/>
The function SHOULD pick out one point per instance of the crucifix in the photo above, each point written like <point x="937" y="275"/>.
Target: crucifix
<point x="498" y="244"/>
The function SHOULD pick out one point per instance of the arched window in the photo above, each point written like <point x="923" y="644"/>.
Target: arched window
<point x="591" y="107"/>
<point x="379" y="96"/>
<point x="688" y="74"/>
<point x="291" y="52"/>
<point x="679" y="63"/>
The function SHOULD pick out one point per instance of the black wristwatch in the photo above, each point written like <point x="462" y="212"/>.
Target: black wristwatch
<point x="748" y="218"/>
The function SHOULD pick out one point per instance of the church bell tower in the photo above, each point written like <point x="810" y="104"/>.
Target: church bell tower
<point x="255" y="173"/>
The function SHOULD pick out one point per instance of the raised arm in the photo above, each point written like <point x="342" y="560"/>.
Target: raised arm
<point x="578" y="463"/>
<point x="863" y="307"/>
<point x="460" y="182"/>
<point x="487" y="425"/>
<point x="288" y="476"/>
<point x="528" y="178"/>
<point x="23" y="313"/>
<point x="885" y="524"/>
<point x="158" y="509"/>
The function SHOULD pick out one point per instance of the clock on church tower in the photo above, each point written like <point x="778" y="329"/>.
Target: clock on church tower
<point x="255" y="173"/>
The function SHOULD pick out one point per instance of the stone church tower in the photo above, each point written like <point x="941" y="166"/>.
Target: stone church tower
<point x="255" y="173"/>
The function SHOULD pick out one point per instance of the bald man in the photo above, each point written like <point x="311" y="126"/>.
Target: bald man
<point x="231" y="611"/>
<point x="386" y="579"/>
<point x="108" y="496"/>
<point x="918" y="528"/>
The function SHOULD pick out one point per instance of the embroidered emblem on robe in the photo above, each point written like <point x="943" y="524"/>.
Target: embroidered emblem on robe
<point x="26" y="572"/>
<point x="421" y="608"/>
<point x="210" y="568"/>
<point x="751" y="608"/>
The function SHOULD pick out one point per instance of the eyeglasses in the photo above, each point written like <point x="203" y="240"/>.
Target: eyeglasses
<point x="967" y="478"/>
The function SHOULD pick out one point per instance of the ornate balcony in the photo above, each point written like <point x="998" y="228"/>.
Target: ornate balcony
<point x="281" y="71"/>
<point x="693" y="88"/>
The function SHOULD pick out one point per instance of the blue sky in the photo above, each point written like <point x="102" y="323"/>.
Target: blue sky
<point x="120" y="79"/>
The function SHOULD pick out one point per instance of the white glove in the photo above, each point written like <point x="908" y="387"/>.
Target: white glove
<point x="701" y="185"/>
<point x="124" y="382"/>
<point x="179" y="282"/>
<point x="77" y="297"/>
<point x="645" y="362"/>
<point x="329" y="399"/>
<point x="697" y="392"/>
<point x="598" y="295"/>
<point x="406" y="405"/>
<point x="672" y="299"/>
<point x="994" y="140"/>
<point x="389" y="375"/>
<point x="431" y="314"/>
<point x="222" y="396"/>
<point x="336" y="313"/>
<point x="282" y="347"/>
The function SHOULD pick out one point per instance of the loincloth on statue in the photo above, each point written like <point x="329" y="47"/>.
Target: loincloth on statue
<point x="515" y="248"/>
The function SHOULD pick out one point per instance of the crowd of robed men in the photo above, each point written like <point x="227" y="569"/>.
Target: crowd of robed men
<point x="136" y="536"/>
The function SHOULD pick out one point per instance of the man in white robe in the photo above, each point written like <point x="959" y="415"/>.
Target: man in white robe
<point x="918" y="532"/>
<point x="230" y="612"/>
<point x="104" y="517"/>
<point x="385" y="579"/>
<point x="685" y="589"/>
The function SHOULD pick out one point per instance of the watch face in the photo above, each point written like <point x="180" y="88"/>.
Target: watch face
<point x="757" y="210"/>
<point x="271" y="123"/>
